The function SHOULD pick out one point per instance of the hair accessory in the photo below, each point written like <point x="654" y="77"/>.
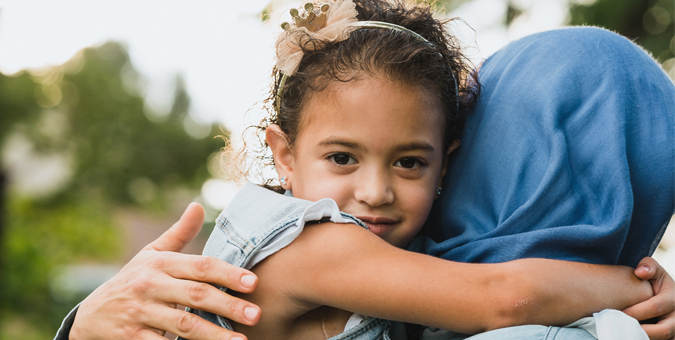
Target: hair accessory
<point x="329" y="24"/>
<point x="283" y="180"/>
<point x="312" y="20"/>
<point x="438" y="190"/>
<point x="334" y="22"/>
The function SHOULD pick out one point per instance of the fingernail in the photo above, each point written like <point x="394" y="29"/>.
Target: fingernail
<point x="645" y="266"/>
<point x="248" y="281"/>
<point x="236" y="338"/>
<point x="250" y="313"/>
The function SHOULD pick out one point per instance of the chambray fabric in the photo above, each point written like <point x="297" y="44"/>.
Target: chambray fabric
<point x="608" y="324"/>
<point x="570" y="154"/>
<point x="260" y="222"/>
<point x="529" y="332"/>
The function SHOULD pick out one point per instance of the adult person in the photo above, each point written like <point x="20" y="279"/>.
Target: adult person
<point x="580" y="167"/>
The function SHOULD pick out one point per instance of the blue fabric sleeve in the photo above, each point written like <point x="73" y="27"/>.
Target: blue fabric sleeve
<point x="570" y="154"/>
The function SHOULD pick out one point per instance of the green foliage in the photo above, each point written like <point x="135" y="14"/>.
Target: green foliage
<point x="16" y="101"/>
<point x="442" y="6"/>
<point x="91" y="111"/>
<point x="114" y="141"/>
<point x="650" y="23"/>
<point x="38" y="239"/>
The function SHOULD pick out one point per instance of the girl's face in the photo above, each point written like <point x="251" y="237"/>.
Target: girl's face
<point x="372" y="145"/>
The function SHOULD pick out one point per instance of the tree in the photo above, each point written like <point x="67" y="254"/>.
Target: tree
<point x="650" y="23"/>
<point x="91" y="113"/>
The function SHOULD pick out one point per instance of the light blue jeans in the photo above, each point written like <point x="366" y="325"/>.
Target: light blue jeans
<point x="529" y="332"/>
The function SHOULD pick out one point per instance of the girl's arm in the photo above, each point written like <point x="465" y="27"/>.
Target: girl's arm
<point x="347" y="267"/>
<point x="659" y="311"/>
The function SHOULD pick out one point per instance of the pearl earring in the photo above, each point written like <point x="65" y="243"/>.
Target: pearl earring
<point x="438" y="191"/>
<point x="283" y="180"/>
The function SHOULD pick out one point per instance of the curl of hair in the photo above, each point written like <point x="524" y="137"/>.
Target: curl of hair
<point x="396" y="55"/>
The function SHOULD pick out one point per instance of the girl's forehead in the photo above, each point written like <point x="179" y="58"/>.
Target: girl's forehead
<point x="370" y="93"/>
<point x="374" y="108"/>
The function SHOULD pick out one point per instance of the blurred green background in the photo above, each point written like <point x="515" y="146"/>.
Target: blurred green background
<point x="97" y="174"/>
<point x="87" y="120"/>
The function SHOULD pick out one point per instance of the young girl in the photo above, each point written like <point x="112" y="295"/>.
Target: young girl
<point x="368" y="103"/>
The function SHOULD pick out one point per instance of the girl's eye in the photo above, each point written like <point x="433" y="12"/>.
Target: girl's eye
<point x="342" y="159"/>
<point x="408" y="163"/>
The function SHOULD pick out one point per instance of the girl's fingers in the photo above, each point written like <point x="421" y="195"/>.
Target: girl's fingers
<point x="646" y="269"/>
<point x="187" y="325"/>
<point x="205" y="297"/>
<point x="207" y="269"/>
<point x="657" y="306"/>
<point x="662" y="305"/>
<point x="663" y="330"/>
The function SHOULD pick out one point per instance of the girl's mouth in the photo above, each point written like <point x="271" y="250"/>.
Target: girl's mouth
<point x="378" y="225"/>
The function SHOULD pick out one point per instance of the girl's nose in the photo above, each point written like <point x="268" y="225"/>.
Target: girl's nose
<point x="375" y="190"/>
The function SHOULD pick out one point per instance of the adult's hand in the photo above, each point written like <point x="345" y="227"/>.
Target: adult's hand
<point x="140" y="301"/>
<point x="661" y="307"/>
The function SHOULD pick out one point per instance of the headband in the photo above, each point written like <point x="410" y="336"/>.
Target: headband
<point x="332" y="22"/>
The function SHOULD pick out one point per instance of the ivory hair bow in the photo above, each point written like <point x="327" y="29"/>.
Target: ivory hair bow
<point x="329" y="24"/>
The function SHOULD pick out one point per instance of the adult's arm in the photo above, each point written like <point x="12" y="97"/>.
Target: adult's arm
<point x="347" y="267"/>
<point x="140" y="301"/>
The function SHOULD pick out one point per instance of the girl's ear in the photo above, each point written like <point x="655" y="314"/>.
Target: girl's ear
<point x="455" y="144"/>
<point x="282" y="153"/>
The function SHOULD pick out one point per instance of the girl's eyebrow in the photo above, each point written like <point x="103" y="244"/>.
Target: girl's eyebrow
<point x="422" y="146"/>
<point x="339" y="141"/>
<point x="418" y="145"/>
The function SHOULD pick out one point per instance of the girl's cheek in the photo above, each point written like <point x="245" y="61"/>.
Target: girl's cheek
<point x="335" y="188"/>
<point x="323" y="183"/>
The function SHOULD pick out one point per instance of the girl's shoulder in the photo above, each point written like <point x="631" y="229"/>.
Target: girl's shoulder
<point x="259" y="222"/>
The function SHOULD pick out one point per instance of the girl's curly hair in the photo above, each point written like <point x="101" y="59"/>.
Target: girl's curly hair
<point x="396" y="55"/>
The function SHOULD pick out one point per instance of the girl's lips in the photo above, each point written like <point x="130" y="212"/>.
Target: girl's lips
<point x="378" y="225"/>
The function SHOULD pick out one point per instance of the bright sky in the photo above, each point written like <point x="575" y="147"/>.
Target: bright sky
<point x="220" y="47"/>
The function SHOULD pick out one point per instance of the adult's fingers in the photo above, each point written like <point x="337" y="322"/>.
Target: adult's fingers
<point x="205" y="297"/>
<point x="663" y="330"/>
<point x="208" y="269"/>
<point x="146" y="334"/>
<point x="182" y="232"/>
<point x="187" y="325"/>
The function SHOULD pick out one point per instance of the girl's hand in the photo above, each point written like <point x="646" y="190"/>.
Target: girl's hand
<point x="140" y="301"/>
<point x="661" y="307"/>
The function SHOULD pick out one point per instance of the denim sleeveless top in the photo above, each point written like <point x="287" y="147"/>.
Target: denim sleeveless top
<point x="259" y="222"/>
